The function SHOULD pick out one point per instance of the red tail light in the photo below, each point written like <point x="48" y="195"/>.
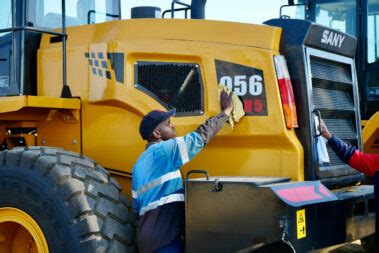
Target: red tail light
<point x="286" y="92"/>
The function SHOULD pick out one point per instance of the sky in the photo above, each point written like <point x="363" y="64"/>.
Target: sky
<point x="246" y="11"/>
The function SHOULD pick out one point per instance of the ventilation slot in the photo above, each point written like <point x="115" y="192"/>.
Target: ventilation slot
<point x="174" y="85"/>
<point x="332" y="95"/>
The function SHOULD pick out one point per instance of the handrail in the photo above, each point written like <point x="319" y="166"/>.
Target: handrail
<point x="172" y="11"/>
<point x="178" y="9"/>
<point x="289" y="5"/>
<point x="65" y="93"/>
<point x="32" y="29"/>
<point x="103" y="13"/>
<point x="14" y="49"/>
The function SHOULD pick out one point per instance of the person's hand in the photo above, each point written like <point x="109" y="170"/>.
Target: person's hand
<point x="226" y="102"/>
<point x="324" y="130"/>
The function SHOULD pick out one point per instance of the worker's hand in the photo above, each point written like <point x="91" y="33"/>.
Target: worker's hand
<point x="324" y="130"/>
<point x="226" y="102"/>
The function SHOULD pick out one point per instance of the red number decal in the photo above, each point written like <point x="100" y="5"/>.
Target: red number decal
<point x="258" y="106"/>
<point x="248" y="105"/>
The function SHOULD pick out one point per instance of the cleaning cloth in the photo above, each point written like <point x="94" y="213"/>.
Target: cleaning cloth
<point x="238" y="111"/>
<point x="323" y="156"/>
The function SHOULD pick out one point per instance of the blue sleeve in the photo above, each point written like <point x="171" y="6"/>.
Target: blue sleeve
<point x="342" y="149"/>
<point x="182" y="149"/>
<point x="135" y="206"/>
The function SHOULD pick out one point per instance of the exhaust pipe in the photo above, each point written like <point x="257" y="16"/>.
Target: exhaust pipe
<point x="198" y="9"/>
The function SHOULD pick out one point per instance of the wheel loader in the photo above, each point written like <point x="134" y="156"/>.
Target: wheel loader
<point x="73" y="91"/>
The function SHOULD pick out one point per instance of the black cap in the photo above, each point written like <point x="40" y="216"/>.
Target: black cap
<point x="151" y="120"/>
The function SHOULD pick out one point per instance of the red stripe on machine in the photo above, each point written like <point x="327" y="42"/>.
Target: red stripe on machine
<point x="303" y="193"/>
<point x="299" y="194"/>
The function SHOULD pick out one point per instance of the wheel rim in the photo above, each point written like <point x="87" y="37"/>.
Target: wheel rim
<point x="19" y="232"/>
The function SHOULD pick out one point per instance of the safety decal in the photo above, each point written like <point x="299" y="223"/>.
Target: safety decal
<point x="247" y="83"/>
<point x="4" y="81"/>
<point x="111" y="67"/>
<point x="301" y="224"/>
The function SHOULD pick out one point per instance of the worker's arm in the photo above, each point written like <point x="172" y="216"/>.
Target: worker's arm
<point x="365" y="163"/>
<point x="210" y="128"/>
<point x="183" y="149"/>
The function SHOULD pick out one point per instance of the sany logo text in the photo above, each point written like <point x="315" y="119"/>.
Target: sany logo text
<point x="332" y="38"/>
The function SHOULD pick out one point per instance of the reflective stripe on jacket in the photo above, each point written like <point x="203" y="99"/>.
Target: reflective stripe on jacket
<point x="158" y="194"/>
<point x="156" y="175"/>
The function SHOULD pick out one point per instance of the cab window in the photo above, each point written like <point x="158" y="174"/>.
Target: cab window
<point x="373" y="31"/>
<point x="48" y="13"/>
<point x="339" y="15"/>
<point x="5" y="15"/>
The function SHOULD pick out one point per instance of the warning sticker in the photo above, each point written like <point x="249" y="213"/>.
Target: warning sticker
<point x="300" y="224"/>
<point x="4" y="81"/>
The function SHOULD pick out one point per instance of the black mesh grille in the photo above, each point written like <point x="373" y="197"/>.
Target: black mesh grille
<point x="175" y="85"/>
<point x="343" y="128"/>
<point x="332" y="95"/>
<point x="325" y="70"/>
<point x="334" y="160"/>
<point x="332" y="99"/>
<point x="326" y="84"/>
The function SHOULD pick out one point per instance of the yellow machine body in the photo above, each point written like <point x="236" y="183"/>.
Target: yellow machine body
<point x="104" y="125"/>
<point x="56" y="120"/>
<point x="370" y="135"/>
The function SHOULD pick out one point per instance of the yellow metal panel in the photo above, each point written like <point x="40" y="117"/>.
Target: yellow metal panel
<point x="370" y="135"/>
<point x="111" y="136"/>
<point x="268" y="131"/>
<point x="25" y="117"/>
<point x="55" y="127"/>
<point x="101" y="88"/>
<point x="53" y="102"/>
<point x="13" y="140"/>
<point x="220" y="32"/>
<point x="12" y="104"/>
<point x="58" y="131"/>
<point x="112" y="111"/>
<point x="56" y="120"/>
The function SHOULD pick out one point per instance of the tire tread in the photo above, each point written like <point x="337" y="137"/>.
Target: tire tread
<point x="93" y="197"/>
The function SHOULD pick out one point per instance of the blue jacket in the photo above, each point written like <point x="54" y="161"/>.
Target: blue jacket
<point x="158" y="193"/>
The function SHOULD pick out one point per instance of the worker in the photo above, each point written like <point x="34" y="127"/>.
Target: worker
<point x="365" y="163"/>
<point x="158" y="193"/>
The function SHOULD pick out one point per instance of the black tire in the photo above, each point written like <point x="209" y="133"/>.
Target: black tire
<point x="76" y="202"/>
